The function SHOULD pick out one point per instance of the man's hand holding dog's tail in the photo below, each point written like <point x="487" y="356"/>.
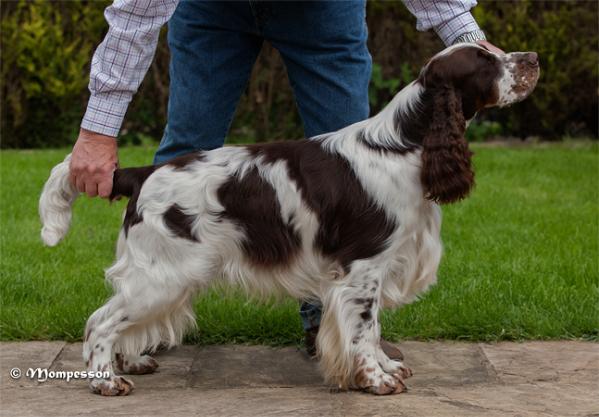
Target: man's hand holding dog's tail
<point x="93" y="162"/>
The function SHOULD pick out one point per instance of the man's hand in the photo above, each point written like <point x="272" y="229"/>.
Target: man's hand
<point x="93" y="161"/>
<point x="491" y="47"/>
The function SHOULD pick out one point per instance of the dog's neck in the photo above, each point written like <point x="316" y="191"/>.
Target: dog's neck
<point x="397" y="127"/>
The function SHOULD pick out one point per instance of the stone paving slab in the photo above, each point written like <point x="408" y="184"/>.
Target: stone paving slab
<point x="532" y="362"/>
<point x="24" y="355"/>
<point x="446" y="364"/>
<point x="253" y="366"/>
<point x="451" y="379"/>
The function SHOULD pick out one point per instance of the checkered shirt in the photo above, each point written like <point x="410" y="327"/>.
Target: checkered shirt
<point x="122" y="59"/>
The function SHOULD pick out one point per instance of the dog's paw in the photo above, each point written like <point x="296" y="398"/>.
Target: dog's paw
<point x="116" y="385"/>
<point x="387" y="385"/>
<point x="135" y="365"/>
<point x="396" y="368"/>
<point x="375" y="380"/>
<point x="404" y="372"/>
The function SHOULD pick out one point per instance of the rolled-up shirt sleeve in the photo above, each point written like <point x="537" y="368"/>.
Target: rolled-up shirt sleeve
<point x="449" y="18"/>
<point x="122" y="60"/>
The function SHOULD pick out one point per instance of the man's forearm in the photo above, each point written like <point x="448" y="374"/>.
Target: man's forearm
<point x="122" y="59"/>
<point x="449" y="18"/>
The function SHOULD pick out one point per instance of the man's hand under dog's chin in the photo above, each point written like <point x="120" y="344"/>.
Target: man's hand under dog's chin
<point x="491" y="47"/>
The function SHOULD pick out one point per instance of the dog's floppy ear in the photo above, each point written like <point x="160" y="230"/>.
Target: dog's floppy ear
<point x="446" y="174"/>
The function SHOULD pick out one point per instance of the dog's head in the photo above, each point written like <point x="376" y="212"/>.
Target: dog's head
<point x="460" y="81"/>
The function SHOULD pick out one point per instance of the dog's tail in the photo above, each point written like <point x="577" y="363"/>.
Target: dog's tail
<point x="55" y="203"/>
<point x="59" y="195"/>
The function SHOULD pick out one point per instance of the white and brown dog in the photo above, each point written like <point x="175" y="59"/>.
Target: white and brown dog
<point x="351" y="218"/>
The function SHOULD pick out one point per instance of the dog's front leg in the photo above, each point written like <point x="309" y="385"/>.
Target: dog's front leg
<point x="371" y="372"/>
<point x="392" y="366"/>
<point x="348" y="339"/>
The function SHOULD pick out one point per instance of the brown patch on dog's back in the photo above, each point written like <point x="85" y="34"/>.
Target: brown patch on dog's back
<point x="351" y="225"/>
<point x="183" y="161"/>
<point x="252" y="203"/>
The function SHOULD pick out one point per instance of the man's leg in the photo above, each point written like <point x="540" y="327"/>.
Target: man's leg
<point x="213" y="48"/>
<point x="323" y="45"/>
<point x="311" y="313"/>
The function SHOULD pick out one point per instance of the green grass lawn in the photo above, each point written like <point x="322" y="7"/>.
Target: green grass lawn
<point x="520" y="262"/>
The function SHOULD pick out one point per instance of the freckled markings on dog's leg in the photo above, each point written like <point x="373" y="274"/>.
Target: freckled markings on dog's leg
<point x="368" y="303"/>
<point x="360" y="379"/>
<point x="91" y="357"/>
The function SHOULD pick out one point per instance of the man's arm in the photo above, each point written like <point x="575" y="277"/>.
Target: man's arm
<point x="451" y="19"/>
<point x="118" y="67"/>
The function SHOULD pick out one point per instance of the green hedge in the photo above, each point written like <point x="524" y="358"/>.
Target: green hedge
<point x="47" y="47"/>
<point x="46" y="50"/>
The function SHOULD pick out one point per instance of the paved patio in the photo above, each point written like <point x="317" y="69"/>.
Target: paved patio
<point x="450" y="379"/>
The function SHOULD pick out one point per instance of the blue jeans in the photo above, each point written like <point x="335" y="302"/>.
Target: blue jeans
<point x="214" y="46"/>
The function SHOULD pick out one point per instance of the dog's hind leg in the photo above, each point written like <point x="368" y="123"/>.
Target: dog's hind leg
<point x="144" y="311"/>
<point x="102" y="330"/>
<point x="348" y="339"/>
<point x="160" y="331"/>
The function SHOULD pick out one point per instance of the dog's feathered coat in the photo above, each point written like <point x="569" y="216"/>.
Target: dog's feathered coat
<point x="350" y="218"/>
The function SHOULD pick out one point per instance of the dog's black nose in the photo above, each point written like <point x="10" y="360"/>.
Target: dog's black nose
<point x="531" y="58"/>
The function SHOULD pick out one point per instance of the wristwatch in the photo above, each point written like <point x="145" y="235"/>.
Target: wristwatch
<point x="474" y="36"/>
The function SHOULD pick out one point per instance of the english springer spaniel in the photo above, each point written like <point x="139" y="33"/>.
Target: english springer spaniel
<point x="351" y="218"/>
